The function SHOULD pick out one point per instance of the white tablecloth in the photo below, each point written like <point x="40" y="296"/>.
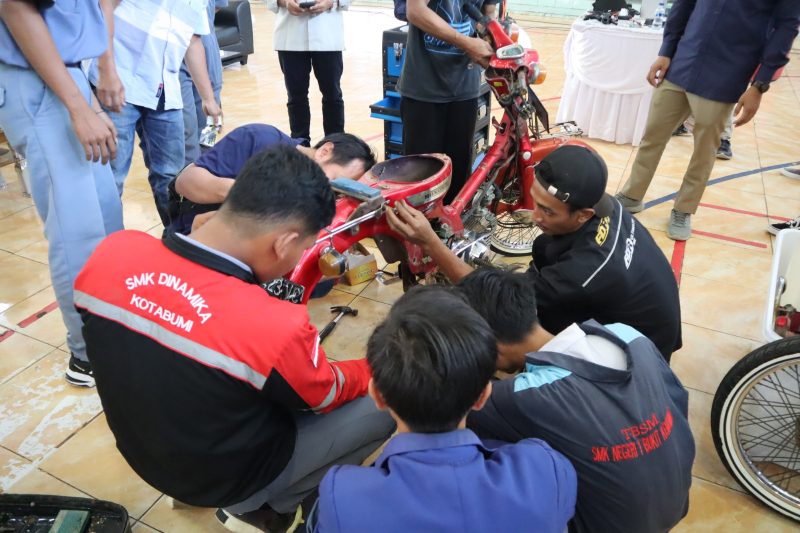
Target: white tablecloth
<point x="606" y="92"/>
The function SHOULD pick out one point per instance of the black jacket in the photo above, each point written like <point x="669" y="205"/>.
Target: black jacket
<point x="611" y="270"/>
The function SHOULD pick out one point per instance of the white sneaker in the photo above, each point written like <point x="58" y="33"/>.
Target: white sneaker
<point x="791" y="172"/>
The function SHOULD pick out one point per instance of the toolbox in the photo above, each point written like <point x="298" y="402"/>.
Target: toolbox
<point x="388" y="108"/>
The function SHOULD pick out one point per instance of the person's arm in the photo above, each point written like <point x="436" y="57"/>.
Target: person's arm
<point x="110" y="90"/>
<point x="676" y="25"/>
<point x="201" y="186"/>
<point x="786" y="20"/>
<point x="673" y="31"/>
<point x="413" y="226"/>
<point x="424" y="18"/>
<point x="304" y="379"/>
<point x="28" y="28"/>
<point x="775" y="55"/>
<point x="195" y="59"/>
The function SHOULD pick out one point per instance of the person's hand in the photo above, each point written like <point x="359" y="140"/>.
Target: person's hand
<point x="747" y="106"/>
<point x="658" y="71"/>
<point x="320" y="7"/>
<point x="410" y="224"/>
<point x="110" y="91"/>
<point x="108" y="122"/>
<point x="96" y="134"/>
<point x="212" y="109"/>
<point x="478" y="50"/>
<point x="294" y="8"/>
<point x="201" y="219"/>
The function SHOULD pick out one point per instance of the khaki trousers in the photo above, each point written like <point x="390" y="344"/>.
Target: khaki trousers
<point x="671" y="105"/>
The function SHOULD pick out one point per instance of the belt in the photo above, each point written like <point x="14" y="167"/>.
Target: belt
<point x="73" y="65"/>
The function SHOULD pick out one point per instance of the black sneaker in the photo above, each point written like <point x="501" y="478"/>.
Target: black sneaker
<point x="260" y="520"/>
<point x="724" y="150"/>
<point x="789" y="224"/>
<point x="79" y="373"/>
<point x="681" y="131"/>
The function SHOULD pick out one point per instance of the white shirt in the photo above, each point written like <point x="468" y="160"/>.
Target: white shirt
<point x="306" y="33"/>
<point x="150" y="40"/>
<point x="573" y="341"/>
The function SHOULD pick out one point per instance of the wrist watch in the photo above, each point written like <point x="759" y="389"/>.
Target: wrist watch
<point x="761" y="86"/>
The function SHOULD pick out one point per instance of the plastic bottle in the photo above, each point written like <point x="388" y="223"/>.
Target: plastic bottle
<point x="208" y="137"/>
<point x="660" y="16"/>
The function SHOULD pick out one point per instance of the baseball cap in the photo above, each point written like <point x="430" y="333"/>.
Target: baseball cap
<point x="577" y="176"/>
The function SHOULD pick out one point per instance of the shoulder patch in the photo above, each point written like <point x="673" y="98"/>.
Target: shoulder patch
<point x="536" y="376"/>
<point x="602" y="231"/>
<point x="624" y="332"/>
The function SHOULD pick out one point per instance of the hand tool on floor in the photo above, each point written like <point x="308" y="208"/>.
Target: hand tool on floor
<point x="342" y="310"/>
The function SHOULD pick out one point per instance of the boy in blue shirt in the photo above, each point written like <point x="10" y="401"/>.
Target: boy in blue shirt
<point x="432" y="360"/>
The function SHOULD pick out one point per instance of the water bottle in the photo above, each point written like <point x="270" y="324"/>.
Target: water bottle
<point x="660" y="16"/>
<point x="208" y="137"/>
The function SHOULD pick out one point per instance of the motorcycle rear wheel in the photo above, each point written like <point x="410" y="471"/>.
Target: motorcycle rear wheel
<point x="512" y="238"/>
<point x="755" y="423"/>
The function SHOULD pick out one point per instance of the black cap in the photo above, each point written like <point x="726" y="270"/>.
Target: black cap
<point x="577" y="176"/>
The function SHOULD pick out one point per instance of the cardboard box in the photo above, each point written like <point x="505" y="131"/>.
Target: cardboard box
<point x="361" y="265"/>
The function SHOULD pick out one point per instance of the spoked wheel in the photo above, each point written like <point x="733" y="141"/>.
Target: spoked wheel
<point x="512" y="238"/>
<point x="755" y="422"/>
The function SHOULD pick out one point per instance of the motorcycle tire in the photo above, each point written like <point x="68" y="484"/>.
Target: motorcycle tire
<point x="756" y="410"/>
<point x="511" y="238"/>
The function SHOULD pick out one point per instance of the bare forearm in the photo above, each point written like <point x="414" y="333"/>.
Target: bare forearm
<point x="31" y="34"/>
<point x="105" y="63"/>
<point x="201" y="186"/>
<point x="196" y="63"/>
<point x="449" y="264"/>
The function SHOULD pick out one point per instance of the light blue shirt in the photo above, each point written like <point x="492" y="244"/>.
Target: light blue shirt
<point x="150" y="41"/>
<point x="77" y="27"/>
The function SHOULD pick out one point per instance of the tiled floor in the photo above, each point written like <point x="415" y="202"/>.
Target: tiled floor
<point x="54" y="439"/>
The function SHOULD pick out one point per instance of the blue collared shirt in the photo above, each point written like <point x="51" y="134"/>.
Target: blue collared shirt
<point x="717" y="45"/>
<point x="77" y="28"/>
<point x="450" y="482"/>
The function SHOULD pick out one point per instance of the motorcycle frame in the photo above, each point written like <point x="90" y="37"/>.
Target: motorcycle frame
<point x="511" y="133"/>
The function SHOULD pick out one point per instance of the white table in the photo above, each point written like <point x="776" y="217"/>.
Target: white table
<point x="606" y="92"/>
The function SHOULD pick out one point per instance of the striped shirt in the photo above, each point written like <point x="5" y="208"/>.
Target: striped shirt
<point x="150" y="42"/>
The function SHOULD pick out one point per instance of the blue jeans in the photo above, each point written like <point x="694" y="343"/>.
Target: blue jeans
<point x="161" y="135"/>
<point x="194" y="120"/>
<point x="76" y="199"/>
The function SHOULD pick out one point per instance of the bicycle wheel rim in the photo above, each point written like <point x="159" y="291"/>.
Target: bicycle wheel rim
<point x="775" y="488"/>
<point x="513" y="238"/>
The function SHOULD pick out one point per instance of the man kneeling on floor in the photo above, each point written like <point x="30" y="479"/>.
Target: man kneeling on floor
<point x="601" y="395"/>
<point x="431" y="362"/>
<point x="218" y="394"/>
<point x="592" y="260"/>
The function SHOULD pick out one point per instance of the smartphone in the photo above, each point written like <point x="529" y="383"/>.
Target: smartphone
<point x="307" y="4"/>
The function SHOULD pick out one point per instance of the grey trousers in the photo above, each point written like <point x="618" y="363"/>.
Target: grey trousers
<point x="345" y="436"/>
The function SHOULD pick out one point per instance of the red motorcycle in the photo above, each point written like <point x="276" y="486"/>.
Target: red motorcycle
<point x="492" y="210"/>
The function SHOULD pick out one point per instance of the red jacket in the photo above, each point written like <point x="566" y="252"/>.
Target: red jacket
<point x="199" y="369"/>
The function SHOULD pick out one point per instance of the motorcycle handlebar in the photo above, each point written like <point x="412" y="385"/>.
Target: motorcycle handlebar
<point x="475" y="13"/>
